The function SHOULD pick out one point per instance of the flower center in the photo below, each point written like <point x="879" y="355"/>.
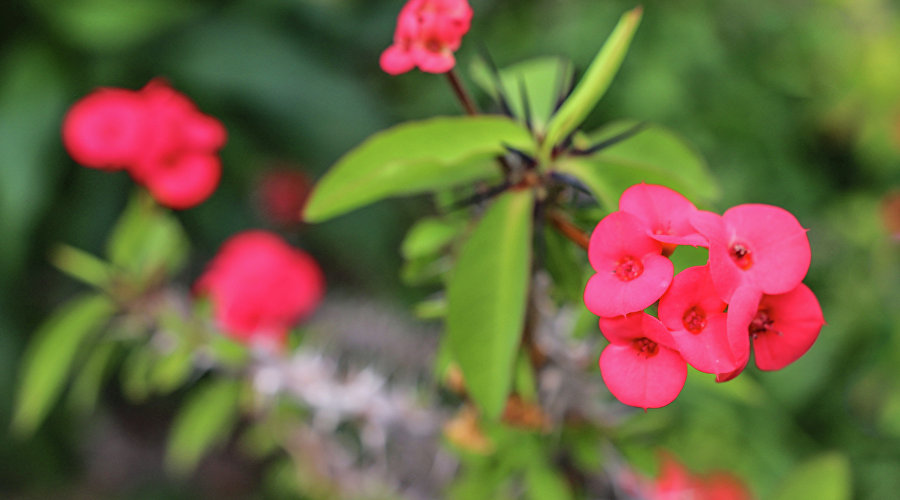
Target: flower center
<point x="628" y="269"/>
<point x="694" y="320"/>
<point x="760" y="324"/>
<point x="741" y="255"/>
<point x="645" y="347"/>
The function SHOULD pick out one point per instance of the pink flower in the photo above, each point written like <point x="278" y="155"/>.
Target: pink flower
<point x="282" y="193"/>
<point x="631" y="272"/>
<point x="757" y="245"/>
<point x="157" y="134"/>
<point x="676" y="482"/>
<point x="106" y="129"/>
<point x="781" y="327"/>
<point x="640" y="366"/>
<point x="427" y="34"/>
<point x="260" y="287"/>
<point x="695" y="315"/>
<point x="666" y="213"/>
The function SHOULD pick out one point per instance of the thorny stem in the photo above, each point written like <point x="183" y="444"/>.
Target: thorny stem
<point x="569" y="230"/>
<point x="461" y="93"/>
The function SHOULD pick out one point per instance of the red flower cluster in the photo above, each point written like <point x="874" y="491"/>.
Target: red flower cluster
<point x="749" y="292"/>
<point x="157" y="134"/>
<point x="260" y="287"/>
<point x="675" y="482"/>
<point x="427" y="34"/>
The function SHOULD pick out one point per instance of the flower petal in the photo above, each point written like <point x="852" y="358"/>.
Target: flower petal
<point x="607" y="296"/>
<point x="645" y="382"/>
<point x="666" y="213"/>
<point x="797" y="319"/>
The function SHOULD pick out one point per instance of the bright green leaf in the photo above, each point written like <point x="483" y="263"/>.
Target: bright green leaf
<point x="543" y="79"/>
<point x="487" y="296"/>
<point x="172" y="370"/>
<point x="594" y="82"/>
<point x="412" y="158"/>
<point x="429" y="235"/>
<point x="135" y="373"/>
<point x="50" y="355"/>
<point x="525" y="383"/>
<point x="825" y="477"/>
<point x="544" y="483"/>
<point x="654" y="155"/>
<point x="147" y="240"/>
<point x="204" y="421"/>
<point x="81" y="265"/>
<point x="431" y="308"/>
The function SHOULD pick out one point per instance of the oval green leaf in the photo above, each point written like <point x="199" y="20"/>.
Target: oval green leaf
<point x="204" y="421"/>
<point x="595" y="81"/>
<point x="50" y="355"/>
<point x="654" y="155"/>
<point x="486" y="298"/>
<point x="415" y="157"/>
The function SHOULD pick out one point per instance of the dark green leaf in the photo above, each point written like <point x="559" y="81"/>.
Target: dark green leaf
<point x="412" y="158"/>
<point x="487" y="297"/>
<point x="594" y="82"/>
<point x="49" y="357"/>
<point x="654" y="155"/>
<point x="204" y="421"/>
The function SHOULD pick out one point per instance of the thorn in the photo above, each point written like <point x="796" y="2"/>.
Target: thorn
<point x="480" y="197"/>
<point x="502" y="98"/>
<point x="611" y="141"/>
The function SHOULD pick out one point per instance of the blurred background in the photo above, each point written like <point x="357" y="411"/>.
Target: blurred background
<point x="792" y="103"/>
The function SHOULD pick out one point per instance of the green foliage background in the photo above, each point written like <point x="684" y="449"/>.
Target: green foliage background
<point x="792" y="103"/>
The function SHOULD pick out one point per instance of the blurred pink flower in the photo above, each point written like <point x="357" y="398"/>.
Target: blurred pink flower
<point x="427" y="34"/>
<point x="260" y="287"/>
<point x="157" y="134"/>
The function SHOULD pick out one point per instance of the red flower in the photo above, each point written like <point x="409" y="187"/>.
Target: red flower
<point x="757" y="245"/>
<point x="260" y="287"/>
<point x="695" y="315"/>
<point x="631" y="271"/>
<point x="640" y="366"/>
<point x="675" y="482"/>
<point x="427" y="34"/>
<point x="106" y="129"/>
<point x="157" y="134"/>
<point x="666" y="213"/>
<point x="781" y="327"/>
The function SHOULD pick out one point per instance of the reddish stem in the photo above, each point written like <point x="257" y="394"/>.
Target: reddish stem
<point x="461" y="93"/>
<point x="569" y="230"/>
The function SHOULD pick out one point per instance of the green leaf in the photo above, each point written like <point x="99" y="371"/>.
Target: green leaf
<point x="543" y="79"/>
<point x="826" y="477"/>
<point x="135" y="373"/>
<point x="594" y="82"/>
<point x="172" y="370"/>
<point x="204" y="421"/>
<point x="544" y="483"/>
<point x="415" y="157"/>
<point x="147" y="240"/>
<point x="81" y="265"/>
<point x="90" y="377"/>
<point x="525" y="383"/>
<point x="49" y="357"/>
<point x="654" y="155"/>
<point x="487" y="296"/>
<point x="431" y="308"/>
<point x="429" y="236"/>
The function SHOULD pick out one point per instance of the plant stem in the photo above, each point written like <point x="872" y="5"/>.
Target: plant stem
<point x="461" y="93"/>
<point x="569" y="230"/>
